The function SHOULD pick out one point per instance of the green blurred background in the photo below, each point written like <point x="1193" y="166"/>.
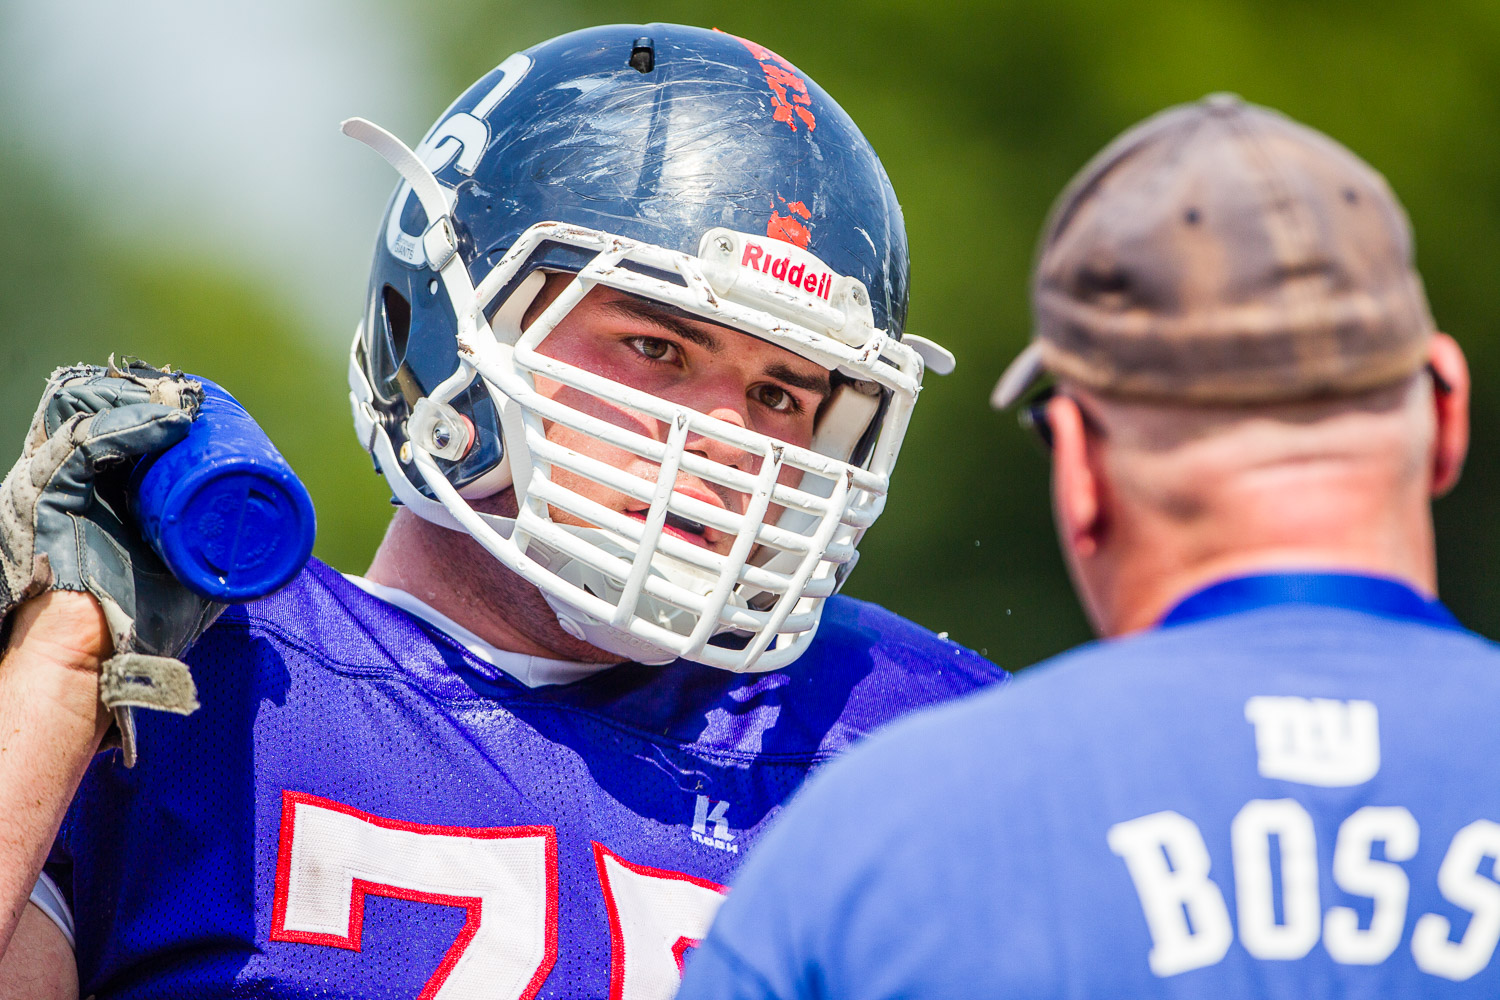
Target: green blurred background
<point x="173" y="185"/>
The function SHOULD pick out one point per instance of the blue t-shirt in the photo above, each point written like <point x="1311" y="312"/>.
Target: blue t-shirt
<point x="363" y="808"/>
<point x="1290" y="789"/>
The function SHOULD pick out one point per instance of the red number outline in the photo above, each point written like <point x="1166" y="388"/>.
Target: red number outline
<point x="617" y="933"/>
<point x="680" y="949"/>
<point x="471" y="905"/>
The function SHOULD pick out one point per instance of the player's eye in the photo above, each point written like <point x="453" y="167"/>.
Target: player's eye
<point x="774" y="397"/>
<point x="653" y="348"/>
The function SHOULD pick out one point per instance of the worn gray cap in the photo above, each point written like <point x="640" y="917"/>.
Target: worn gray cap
<point x="1220" y="252"/>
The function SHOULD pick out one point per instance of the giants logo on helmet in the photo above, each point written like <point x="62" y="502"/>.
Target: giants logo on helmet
<point x="460" y="139"/>
<point x="798" y="271"/>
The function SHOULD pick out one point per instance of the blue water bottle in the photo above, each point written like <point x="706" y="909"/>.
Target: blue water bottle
<point x="222" y="507"/>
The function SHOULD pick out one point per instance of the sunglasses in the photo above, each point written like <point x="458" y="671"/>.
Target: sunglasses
<point x="1441" y="385"/>
<point x="1033" y="417"/>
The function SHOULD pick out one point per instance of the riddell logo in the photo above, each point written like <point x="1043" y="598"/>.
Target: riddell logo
<point x="799" y="274"/>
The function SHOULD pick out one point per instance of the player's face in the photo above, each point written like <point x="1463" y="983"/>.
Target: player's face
<point x="670" y="354"/>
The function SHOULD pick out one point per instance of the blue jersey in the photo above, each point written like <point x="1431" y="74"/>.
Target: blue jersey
<point x="362" y="808"/>
<point x="1287" y="791"/>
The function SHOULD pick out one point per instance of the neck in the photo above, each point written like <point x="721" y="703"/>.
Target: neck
<point x="1149" y="602"/>
<point x="451" y="573"/>
<point x="1134" y="587"/>
<point x="1168" y="498"/>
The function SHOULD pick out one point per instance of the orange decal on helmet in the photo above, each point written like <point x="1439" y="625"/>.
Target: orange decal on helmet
<point x="786" y="227"/>
<point x="789" y="95"/>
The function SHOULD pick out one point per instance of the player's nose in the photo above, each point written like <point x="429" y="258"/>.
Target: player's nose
<point x="722" y="452"/>
<point x="724" y="400"/>
<point x="716" y="449"/>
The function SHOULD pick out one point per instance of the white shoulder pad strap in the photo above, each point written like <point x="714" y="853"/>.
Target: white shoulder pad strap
<point x="48" y="898"/>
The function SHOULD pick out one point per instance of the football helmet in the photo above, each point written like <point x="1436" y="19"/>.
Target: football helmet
<point x="684" y="166"/>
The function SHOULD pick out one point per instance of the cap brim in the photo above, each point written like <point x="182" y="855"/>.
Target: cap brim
<point x="1019" y="377"/>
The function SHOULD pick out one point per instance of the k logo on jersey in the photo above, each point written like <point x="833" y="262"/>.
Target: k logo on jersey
<point x="708" y="813"/>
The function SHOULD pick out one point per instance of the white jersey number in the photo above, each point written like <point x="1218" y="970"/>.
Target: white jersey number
<point x="655" y="915"/>
<point x="505" y="879"/>
<point x="332" y="856"/>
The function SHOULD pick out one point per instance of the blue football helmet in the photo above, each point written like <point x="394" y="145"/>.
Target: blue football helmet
<point x="684" y="166"/>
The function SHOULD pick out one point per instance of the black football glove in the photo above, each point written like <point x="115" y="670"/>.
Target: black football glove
<point x="64" y="525"/>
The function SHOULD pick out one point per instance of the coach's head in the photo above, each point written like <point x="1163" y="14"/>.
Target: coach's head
<point x="1247" y="376"/>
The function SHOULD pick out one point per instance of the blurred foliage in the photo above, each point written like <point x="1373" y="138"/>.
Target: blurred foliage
<point x="981" y="113"/>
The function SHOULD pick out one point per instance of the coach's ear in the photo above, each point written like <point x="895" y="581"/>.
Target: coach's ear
<point x="1450" y="400"/>
<point x="1075" y="482"/>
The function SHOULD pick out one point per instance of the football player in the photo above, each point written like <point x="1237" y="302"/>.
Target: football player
<point x="633" y="364"/>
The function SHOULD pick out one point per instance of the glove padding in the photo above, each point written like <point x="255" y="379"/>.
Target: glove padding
<point x="64" y="526"/>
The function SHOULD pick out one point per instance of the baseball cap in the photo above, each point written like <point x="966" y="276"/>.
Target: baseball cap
<point x="1221" y="253"/>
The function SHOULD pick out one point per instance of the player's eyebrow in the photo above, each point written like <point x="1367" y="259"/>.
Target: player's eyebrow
<point x="817" y="384"/>
<point x="683" y="324"/>
<point x="669" y="318"/>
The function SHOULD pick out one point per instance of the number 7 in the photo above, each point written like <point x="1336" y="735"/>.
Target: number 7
<point x="505" y="878"/>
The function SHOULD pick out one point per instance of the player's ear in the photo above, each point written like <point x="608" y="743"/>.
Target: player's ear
<point x="1075" y="482"/>
<point x="1450" y="400"/>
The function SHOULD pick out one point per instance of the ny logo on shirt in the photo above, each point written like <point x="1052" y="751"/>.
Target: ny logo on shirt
<point x="1315" y="741"/>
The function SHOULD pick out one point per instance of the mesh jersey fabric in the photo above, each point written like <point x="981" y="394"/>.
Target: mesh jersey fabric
<point x="1256" y="802"/>
<point x="361" y="808"/>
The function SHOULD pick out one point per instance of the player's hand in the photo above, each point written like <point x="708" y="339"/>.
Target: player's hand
<point x="64" y="525"/>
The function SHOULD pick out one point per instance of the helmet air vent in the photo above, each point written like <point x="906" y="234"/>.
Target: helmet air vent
<point x="397" y="321"/>
<point x="643" y="55"/>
